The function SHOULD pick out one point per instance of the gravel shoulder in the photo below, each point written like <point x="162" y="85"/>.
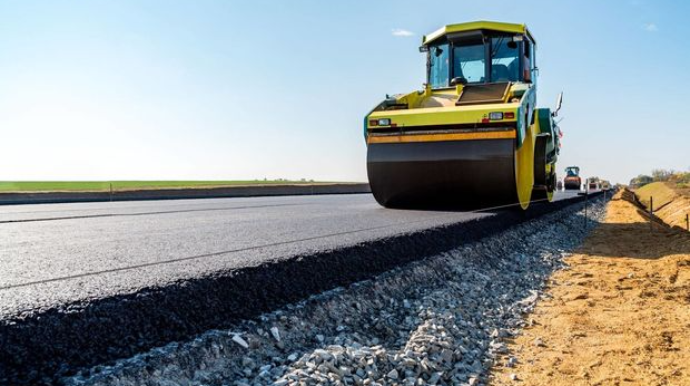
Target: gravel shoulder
<point x="439" y="321"/>
<point x="618" y="315"/>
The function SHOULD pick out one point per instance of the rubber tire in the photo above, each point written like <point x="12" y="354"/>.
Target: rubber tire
<point x="543" y="173"/>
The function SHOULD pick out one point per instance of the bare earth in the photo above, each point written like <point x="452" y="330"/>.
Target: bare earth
<point x="671" y="204"/>
<point x="619" y="316"/>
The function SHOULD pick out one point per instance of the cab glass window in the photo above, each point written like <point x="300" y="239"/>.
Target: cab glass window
<point x="505" y="59"/>
<point x="438" y="66"/>
<point x="469" y="62"/>
<point x="529" y="61"/>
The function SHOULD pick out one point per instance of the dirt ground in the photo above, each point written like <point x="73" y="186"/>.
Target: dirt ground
<point x="671" y="204"/>
<point x="620" y="315"/>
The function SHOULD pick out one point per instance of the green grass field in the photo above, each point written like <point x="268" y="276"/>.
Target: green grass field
<point x="97" y="186"/>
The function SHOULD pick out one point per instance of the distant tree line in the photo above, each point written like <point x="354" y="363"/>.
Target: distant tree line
<point x="682" y="179"/>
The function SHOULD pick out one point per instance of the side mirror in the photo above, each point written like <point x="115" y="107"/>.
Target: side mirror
<point x="458" y="80"/>
<point x="559" y="103"/>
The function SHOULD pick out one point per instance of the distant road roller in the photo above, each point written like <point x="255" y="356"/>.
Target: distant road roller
<point x="473" y="137"/>
<point x="572" y="180"/>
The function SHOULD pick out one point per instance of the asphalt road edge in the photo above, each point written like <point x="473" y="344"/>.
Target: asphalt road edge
<point x="179" y="194"/>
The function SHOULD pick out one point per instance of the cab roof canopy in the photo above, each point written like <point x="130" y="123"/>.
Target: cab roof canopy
<point x="477" y="26"/>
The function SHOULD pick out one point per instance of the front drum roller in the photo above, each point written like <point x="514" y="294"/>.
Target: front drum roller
<point x="466" y="174"/>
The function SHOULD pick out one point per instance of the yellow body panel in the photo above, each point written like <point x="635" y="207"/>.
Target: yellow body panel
<point x="444" y="115"/>
<point x="474" y="26"/>
<point x="476" y="135"/>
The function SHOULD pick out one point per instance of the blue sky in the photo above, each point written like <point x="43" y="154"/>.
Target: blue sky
<point x="278" y="89"/>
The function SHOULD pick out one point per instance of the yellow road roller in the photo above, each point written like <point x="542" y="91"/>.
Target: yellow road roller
<point x="473" y="137"/>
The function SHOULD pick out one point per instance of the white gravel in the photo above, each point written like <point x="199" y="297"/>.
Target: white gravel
<point x="440" y="321"/>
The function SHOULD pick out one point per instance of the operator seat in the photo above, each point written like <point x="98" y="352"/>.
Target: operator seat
<point x="513" y="70"/>
<point x="500" y="73"/>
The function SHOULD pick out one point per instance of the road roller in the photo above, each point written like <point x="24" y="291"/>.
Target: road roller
<point x="572" y="180"/>
<point x="473" y="136"/>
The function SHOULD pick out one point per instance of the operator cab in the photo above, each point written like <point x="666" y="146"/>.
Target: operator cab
<point x="480" y="57"/>
<point x="572" y="171"/>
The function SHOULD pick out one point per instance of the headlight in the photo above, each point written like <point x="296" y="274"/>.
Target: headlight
<point x="497" y="116"/>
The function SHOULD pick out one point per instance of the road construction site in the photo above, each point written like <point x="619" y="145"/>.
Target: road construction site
<point x="439" y="320"/>
<point x="567" y="297"/>
<point x="86" y="284"/>
<point x="461" y="262"/>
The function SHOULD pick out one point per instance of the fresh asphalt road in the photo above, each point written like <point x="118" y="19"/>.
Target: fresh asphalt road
<point x="51" y="254"/>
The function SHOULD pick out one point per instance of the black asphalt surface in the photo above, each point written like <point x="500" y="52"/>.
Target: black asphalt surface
<point x="140" y="274"/>
<point x="52" y="254"/>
